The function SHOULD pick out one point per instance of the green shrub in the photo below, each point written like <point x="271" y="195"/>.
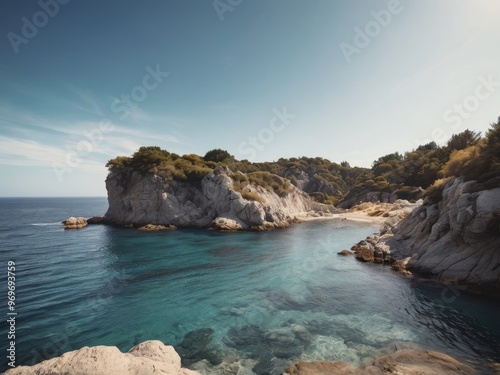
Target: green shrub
<point x="270" y="182"/>
<point x="118" y="163"/>
<point x="434" y="193"/>
<point x="197" y="173"/>
<point x="248" y="195"/>
<point x="217" y="155"/>
<point x="318" y="196"/>
<point x="148" y="157"/>
<point x="458" y="161"/>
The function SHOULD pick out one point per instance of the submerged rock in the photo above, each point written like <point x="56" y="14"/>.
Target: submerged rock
<point x="150" y="357"/>
<point x="272" y="349"/>
<point x="196" y="347"/>
<point x="344" y="253"/>
<point x="244" y="337"/>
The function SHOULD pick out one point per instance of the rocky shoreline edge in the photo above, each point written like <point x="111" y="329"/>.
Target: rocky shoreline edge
<point x="377" y="213"/>
<point x="219" y="225"/>
<point x="154" y="357"/>
<point x="455" y="241"/>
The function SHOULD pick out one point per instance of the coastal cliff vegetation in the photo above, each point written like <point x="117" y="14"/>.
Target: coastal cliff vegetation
<point x="422" y="172"/>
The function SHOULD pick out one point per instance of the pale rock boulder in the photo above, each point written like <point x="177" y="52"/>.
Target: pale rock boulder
<point x="408" y="362"/>
<point x="75" y="223"/>
<point x="149" y="357"/>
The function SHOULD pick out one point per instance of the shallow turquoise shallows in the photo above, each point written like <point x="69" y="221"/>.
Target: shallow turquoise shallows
<point x="269" y="299"/>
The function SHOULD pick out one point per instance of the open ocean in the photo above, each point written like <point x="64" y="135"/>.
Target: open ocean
<point x="263" y="300"/>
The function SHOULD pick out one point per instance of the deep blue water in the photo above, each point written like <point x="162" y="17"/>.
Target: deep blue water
<point x="245" y="298"/>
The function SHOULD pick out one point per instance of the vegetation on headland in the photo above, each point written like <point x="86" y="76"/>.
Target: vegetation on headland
<point x="424" y="169"/>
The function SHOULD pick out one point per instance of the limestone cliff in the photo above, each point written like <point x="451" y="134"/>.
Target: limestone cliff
<point x="455" y="240"/>
<point x="141" y="199"/>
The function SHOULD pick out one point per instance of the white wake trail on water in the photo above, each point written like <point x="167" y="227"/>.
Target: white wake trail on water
<point x="46" y="224"/>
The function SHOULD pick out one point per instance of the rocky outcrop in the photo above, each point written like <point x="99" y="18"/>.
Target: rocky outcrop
<point x="140" y="199"/>
<point x="95" y="220"/>
<point x="357" y="196"/>
<point x="310" y="182"/>
<point x="75" y="223"/>
<point x="344" y="253"/>
<point x="150" y="357"/>
<point x="455" y="240"/>
<point x="153" y="228"/>
<point x="408" y="362"/>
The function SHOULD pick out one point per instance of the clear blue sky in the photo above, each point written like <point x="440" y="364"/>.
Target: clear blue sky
<point x="357" y="80"/>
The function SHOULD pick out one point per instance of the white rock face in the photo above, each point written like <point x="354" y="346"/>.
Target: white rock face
<point x="149" y="199"/>
<point x="150" y="357"/>
<point x="456" y="240"/>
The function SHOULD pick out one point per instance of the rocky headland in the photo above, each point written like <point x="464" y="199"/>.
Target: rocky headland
<point x="140" y="199"/>
<point x="454" y="240"/>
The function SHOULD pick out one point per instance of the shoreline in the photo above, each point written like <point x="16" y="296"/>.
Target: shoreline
<point x="358" y="216"/>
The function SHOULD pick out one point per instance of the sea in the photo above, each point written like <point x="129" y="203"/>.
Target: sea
<point x="231" y="303"/>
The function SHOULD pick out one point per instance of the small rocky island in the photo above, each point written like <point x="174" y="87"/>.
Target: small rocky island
<point x="218" y="200"/>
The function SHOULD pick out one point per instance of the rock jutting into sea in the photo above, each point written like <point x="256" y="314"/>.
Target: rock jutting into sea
<point x="140" y="199"/>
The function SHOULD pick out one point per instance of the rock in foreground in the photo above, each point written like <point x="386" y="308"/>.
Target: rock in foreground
<point x="407" y="362"/>
<point x="150" y="357"/>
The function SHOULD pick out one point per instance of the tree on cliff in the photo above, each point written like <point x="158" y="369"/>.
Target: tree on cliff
<point x="463" y="140"/>
<point x="217" y="155"/>
<point x="480" y="161"/>
<point x="142" y="160"/>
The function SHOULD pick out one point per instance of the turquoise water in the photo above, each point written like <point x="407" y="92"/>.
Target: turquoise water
<point x="238" y="301"/>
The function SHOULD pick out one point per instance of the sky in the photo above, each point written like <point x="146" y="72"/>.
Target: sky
<point x="85" y="81"/>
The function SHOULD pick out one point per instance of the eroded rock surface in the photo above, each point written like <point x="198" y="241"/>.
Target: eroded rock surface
<point x="455" y="240"/>
<point x="149" y="199"/>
